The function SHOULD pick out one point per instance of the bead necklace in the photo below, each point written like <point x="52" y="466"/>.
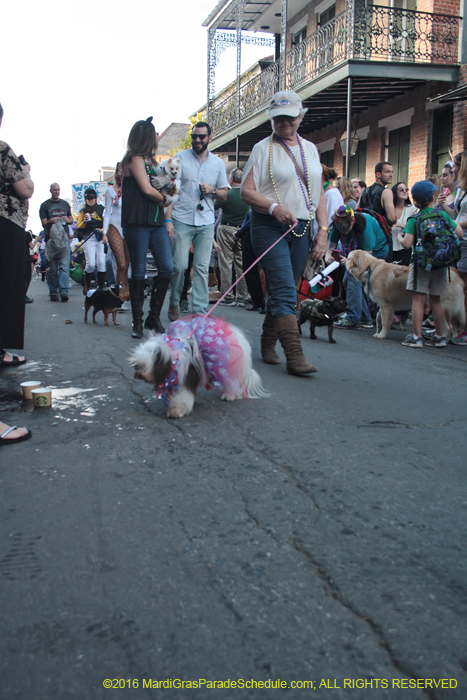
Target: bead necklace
<point x="150" y="170"/>
<point x="308" y="201"/>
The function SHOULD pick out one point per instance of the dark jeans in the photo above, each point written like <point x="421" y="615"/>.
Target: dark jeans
<point x="252" y="278"/>
<point x="283" y="264"/>
<point x="156" y="238"/>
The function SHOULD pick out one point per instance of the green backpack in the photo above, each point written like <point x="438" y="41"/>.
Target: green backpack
<point x="436" y="245"/>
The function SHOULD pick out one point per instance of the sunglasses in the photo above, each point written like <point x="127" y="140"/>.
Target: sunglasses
<point x="88" y="199"/>
<point x="201" y="137"/>
<point x="402" y="189"/>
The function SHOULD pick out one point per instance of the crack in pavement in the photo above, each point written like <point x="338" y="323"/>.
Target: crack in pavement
<point x="267" y="530"/>
<point x="333" y="591"/>
<point x="287" y="471"/>
<point x="397" y="424"/>
<point x="212" y="577"/>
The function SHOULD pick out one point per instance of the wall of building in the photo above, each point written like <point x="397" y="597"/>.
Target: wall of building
<point x="393" y="114"/>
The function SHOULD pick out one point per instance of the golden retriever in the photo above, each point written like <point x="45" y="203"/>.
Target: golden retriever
<point x="387" y="287"/>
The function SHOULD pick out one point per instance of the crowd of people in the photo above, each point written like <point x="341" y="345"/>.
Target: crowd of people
<point x="285" y="205"/>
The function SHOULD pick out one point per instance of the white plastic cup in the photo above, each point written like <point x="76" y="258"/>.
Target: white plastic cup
<point x="42" y="397"/>
<point x="27" y="388"/>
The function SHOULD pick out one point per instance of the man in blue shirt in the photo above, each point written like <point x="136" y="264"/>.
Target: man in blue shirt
<point x="191" y="219"/>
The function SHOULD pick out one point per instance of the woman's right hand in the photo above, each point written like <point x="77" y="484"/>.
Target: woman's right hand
<point x="442" y="197"/>
<point x="284" y="216"/>
<point x="87" y="217"/>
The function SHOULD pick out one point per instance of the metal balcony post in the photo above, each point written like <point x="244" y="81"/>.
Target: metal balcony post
<point x="239" y="22"/>
<point x="349" y="124"/>
<point x="282" y="74"/>
<point x="211" y="83"/>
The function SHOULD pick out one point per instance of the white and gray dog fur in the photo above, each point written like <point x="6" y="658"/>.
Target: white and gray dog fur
<point x="155" y="359"/>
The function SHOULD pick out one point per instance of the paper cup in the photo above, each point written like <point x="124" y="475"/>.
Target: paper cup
<point x="27" y="387"/>
<point x="42" y="397"/>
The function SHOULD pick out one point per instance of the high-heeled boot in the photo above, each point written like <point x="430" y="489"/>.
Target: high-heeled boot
<point x="137" y="301"/>
<point x="268" y="341"/>
<point x="153" y="320"/>
<point x="100" y="280"/>
<point x="289" y="337"/>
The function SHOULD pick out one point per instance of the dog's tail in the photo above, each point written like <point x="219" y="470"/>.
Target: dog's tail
<point x="254" y="386"/>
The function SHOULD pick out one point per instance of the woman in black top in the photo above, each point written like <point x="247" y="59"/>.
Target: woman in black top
<point x="144" y="227"/>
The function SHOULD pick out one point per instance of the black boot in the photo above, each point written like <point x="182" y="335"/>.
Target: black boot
<point x="153" y="321"/>
<point x="100" y="280"/>
<point x="137" y="301"/>
<point x="89" y="280"/>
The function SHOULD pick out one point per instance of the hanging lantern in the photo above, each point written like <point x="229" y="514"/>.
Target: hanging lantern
<point x="354" y="141"/>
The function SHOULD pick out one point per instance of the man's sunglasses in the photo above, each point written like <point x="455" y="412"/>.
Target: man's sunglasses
<point x="201" y="137"/>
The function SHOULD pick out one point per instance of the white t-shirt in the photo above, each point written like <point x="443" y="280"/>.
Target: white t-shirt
<point x="112" y="212"/>
<point x="334" y="200"/>
<point x="288" y="184"/>
<point x="406" y="213"/>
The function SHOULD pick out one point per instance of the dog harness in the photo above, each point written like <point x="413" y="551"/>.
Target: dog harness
<point x="313" y="308"/>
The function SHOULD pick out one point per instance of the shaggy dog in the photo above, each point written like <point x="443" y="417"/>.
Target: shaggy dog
<point x="387" y="287"/>
<point x="193" y="352"/>
<point x="321" y="313"/>
<point x="106" y="300"/>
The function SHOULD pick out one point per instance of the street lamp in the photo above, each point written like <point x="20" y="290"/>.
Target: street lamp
<point x="354" y="141"/>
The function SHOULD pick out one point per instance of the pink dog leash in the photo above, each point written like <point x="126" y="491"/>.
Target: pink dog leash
<point x="248" y="270"/>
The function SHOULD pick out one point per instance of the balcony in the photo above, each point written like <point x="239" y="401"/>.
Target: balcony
<point x="379" y="35"/>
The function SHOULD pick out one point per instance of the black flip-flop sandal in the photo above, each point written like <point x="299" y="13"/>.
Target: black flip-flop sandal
<point x="15" y="361"/>
<point x="5" y="441"/>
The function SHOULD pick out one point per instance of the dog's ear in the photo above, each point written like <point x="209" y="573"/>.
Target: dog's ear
<point x="161" y="368"/>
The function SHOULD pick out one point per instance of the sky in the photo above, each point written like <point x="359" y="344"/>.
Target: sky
<point x="76" y="76"/>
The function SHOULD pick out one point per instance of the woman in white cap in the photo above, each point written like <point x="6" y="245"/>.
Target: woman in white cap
<point x="282" y="185"/>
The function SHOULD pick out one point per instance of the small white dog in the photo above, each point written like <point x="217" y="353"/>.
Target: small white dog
<point x="167" y="179"/>
<point x="196" y="351"/>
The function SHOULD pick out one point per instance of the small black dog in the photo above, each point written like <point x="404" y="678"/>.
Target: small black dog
<point x="106" y="300"/>
<point x="321" y="313"/>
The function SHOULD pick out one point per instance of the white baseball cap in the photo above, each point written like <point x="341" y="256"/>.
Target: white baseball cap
<point x="287" y="104"/>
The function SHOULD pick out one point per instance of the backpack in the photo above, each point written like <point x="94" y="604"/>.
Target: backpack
<point x="58" y="241"/>
<point x="371" y="198"/>
<point x="435" y="245"/>
<point x="381" y="221"/>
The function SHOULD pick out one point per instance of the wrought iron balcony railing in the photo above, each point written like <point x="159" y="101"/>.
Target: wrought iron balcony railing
<point x="379" y="34"/>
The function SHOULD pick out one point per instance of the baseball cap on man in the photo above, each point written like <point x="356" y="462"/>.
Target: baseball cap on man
<point x="423" y="190"/>
<point x="285" y="104"/>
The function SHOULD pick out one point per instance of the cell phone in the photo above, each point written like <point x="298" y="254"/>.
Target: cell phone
<point x="22" y="160"/>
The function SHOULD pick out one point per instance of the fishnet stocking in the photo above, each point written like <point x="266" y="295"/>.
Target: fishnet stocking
<point x="122" y="258"/>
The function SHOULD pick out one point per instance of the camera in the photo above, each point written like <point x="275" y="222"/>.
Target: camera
<point x="201" y="197"/>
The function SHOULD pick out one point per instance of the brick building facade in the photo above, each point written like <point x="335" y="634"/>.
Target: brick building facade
<point x="396" y="57"/>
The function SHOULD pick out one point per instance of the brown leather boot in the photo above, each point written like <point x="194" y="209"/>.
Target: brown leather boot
<point x="268" y="341"/>
<point x="287" y="332"/>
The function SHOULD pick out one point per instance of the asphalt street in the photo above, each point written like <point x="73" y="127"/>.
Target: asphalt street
<point x="315" y="535"/>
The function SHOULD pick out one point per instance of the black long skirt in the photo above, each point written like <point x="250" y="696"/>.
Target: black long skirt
<point x="14" y="260"/>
